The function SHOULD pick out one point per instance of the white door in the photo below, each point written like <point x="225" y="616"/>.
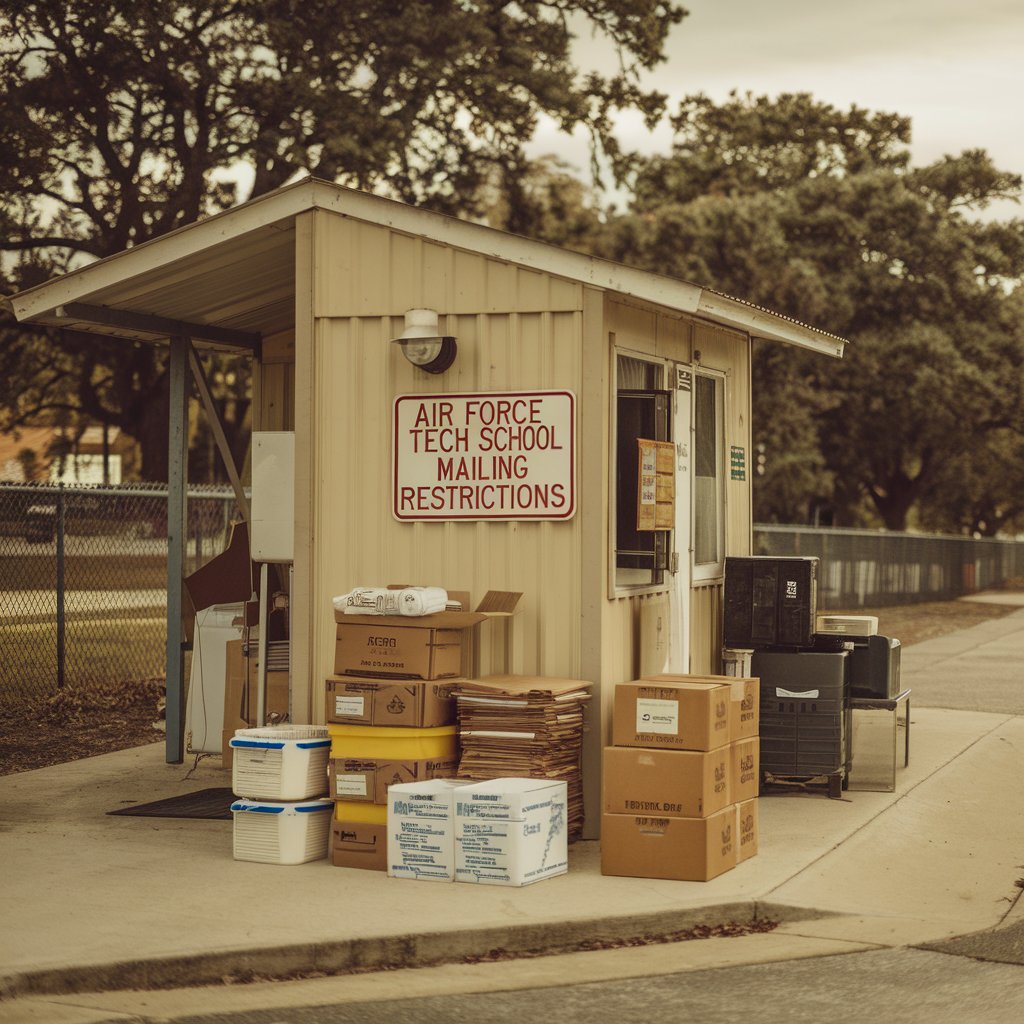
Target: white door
<point x="681" y="383"/>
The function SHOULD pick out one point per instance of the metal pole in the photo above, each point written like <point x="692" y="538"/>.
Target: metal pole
<point x="177" y="521"/>
<point x="61" y="649"/>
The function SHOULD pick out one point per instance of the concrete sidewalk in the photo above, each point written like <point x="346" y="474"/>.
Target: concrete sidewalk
<point x="94" y="903"/>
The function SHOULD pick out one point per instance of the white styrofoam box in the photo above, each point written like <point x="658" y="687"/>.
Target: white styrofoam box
<point x="848" y="625"/>
<point x="285" y="762"/>
<point x="511" y="831"/>
<point x="275" y="832"/>
<point x="421" y="829"/>
<point x="272" y="526"/>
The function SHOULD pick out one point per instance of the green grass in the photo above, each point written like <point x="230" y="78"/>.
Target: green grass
<point x="93" y="572"/>
<point x="98" y="652"/>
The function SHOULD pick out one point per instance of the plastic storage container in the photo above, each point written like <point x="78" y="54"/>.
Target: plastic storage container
<point x="272" y="832"/>
<point x="393" y="743"/>
<point x="286" y="762"/>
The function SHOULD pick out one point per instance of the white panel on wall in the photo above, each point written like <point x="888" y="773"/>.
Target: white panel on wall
<point x="272" y="534"/>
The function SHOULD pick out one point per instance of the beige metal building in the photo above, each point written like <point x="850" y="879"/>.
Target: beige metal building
<point x="317" y="279"/>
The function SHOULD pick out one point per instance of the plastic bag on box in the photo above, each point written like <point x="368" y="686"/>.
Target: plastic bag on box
<point x="410" y="601"/>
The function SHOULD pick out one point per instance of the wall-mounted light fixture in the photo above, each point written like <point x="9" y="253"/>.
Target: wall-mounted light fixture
<point x="423" y="345"/>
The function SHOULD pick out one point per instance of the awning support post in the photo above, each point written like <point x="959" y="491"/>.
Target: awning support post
<point x="177" y="521"/>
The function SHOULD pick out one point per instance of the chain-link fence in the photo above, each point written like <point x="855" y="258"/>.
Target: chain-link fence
<point x="83" y="581"/>
<point x="865" y="568"/>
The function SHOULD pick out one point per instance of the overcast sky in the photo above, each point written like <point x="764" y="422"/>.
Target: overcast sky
<point x="955" y="67"/>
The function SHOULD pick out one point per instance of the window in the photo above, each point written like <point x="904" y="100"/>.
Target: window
<point x="708" y="476"/>
<point x="642" y="411"/>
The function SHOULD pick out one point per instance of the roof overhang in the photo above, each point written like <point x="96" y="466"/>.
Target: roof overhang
<point x="229" y="279"/>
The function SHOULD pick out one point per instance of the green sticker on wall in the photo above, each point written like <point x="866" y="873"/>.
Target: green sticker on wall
<point x="737" y="462"/>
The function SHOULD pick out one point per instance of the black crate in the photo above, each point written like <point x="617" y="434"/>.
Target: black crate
<point x="875" y="667"/>
<point x="770" y="602"/>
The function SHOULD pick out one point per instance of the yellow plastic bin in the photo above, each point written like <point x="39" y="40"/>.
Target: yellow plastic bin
<point x="356" y="810"/>
<point x="393" y="743"/>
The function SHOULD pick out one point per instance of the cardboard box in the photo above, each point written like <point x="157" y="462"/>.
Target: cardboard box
<point x="421" y="830"/>
<point x="386" y="648"/>
<point x="240" y="680"/>
<point x="746" y="697"/>
<point x="511" y="831"/>
<point x="673" y="783"/>
<point x="673" y="711"/>
<point x="747" y="828"/>
<point x="745" y="768"/>
<point x="417" y="703"/>
<point x="685" y="849"/>
<point x="359" y="844"/>
<point x="369" y="778"/>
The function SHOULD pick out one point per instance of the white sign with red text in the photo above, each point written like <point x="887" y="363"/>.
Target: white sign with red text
<point x="495" y="455"/>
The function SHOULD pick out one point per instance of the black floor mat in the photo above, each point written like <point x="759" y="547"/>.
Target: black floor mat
<point x="204" y="803"/>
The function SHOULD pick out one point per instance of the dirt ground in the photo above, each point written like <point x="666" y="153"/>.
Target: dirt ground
<point x="72" y="725"/>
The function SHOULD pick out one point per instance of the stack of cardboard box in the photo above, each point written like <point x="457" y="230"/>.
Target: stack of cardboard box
<point x="680" y="783"/>
<point x="391" y="718"/>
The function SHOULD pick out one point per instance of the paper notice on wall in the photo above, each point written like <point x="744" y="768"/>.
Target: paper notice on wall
<point x="653" y="715"/>
<point x="656" y="485"/>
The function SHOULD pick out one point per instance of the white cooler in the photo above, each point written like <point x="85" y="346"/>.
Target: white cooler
<point x="286" y="762"/>
<point x="272" y="832"/>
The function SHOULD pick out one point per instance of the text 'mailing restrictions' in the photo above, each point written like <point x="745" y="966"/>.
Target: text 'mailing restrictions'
<point x="493" y="455"/>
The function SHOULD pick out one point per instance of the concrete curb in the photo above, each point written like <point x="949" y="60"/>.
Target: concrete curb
<point x="386" y="952"/>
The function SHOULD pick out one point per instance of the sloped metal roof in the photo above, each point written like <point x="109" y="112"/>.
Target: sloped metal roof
<point x="235" y="272"/>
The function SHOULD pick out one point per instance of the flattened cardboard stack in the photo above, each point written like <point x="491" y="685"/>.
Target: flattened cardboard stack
<point x="526" y="727"/>
<point x="391" y="719"/>
<point x="679" y="787"/>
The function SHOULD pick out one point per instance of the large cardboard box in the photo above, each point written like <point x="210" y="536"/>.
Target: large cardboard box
<point x="416" y="702"/>
<point x="745" y="697"/>
<point x="686" y="849"/>
<point x="745" y="768"/>
<point x="747" y="828"/>
<point x="421" y="830"/>
<point x="359" y="844"/>
<point x="511" y="831"/>
<point x="383" y="646"/>
<point x="355" y="778"/>
<point x="673" y="711"/>
<point x="674" y="783"/>
<point x="240" y="681"/>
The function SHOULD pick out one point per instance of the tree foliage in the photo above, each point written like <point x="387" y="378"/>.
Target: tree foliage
<point x="817" y="212"/>
<point x="122" y="119"/>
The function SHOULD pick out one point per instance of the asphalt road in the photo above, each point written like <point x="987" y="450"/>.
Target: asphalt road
<point x="906" y="986"/>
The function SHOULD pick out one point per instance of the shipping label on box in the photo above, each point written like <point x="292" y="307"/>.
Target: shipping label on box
<point x="359" y="844"/>
<point x="673" y="712"/>
<point x="416" y="703"/>
<point x="747" y="829"/>
<point x="745" y="768"/>
<point x="406" y="651"/>
<point x="685" y="849"/>
<point x="674" y="783"/>
<point x="511" y="831"/>
<point x="368" y="778"/>
<point x="421" y="830"/>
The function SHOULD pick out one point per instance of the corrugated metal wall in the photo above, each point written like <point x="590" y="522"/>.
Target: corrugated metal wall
<point x="507" y="340"/>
